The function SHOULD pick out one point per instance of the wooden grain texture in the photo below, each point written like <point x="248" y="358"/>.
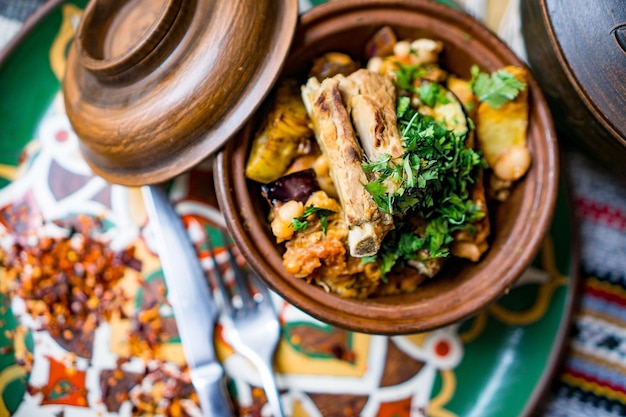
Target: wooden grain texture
<point x="578" y="55"/>
<point x="519" y="225"/>
<point x="152" y="94"/>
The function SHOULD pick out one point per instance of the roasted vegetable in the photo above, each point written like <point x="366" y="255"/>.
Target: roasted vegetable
<point x="502" y="123"/>
<point x="296" y="186"/>
<point x="331" y="64"/>
<point x="276" y="144"/>
<point x="462" y="89"/>
<point x="381" y="43"/>
<point x="440" y="103"/>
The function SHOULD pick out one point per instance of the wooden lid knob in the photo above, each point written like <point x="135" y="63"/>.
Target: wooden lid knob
<point x="118" y="39"/>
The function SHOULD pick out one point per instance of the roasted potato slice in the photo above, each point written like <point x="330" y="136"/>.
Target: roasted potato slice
<point x="501" y="133"/>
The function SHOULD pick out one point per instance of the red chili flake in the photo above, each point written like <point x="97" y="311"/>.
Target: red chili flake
<point x="162" y="392"/>
<point x="115" y="386"/>
<point x="69" y="283"/>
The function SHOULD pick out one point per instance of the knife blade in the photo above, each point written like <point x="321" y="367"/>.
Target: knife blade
<point x="188" y="292"/>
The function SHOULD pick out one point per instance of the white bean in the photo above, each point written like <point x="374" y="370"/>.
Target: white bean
<point x="290" y="210"/>
<point x="281" y="224"/>
<point x="425" y="51"/>
<point x="402" y="49"/>
<point x="512" y="164"/>
<point x="375" y="64"/>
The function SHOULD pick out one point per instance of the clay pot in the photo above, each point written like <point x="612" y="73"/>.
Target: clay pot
<point x="518" y="225"/>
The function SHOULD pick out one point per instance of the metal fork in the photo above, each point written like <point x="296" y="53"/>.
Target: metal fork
<point x="252" y="319"/>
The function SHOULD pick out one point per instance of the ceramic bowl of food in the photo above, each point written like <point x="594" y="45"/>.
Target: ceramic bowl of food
<point x="401" y="175"/>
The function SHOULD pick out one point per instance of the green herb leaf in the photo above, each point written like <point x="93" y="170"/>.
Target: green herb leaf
<point x="380" y="165"/>
<point x="406" y="74"/>
<point x="300" y="223"/>
<point x="404" y="104"/>
<point x="495" y="89"/>
<point x="431" y="94"/>
<point x="432" y="178"/>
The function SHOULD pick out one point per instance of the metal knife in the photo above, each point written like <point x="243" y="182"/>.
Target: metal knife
<point x="194" y="308"/>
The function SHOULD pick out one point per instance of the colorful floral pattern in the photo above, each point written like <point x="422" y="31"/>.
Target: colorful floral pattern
<point x="321" y="370"/>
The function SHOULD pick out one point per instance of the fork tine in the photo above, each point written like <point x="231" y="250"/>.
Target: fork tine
<point x="255" y="324"/>
<point x="261" y="290"/>
<point x="243" y="290"/>
<point x="221" y="282"/>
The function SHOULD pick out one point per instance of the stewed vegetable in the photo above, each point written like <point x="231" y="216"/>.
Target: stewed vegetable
<point x="392" y="167"/>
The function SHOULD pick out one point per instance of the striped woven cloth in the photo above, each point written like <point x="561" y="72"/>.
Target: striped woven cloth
<point x="592" y="381"/>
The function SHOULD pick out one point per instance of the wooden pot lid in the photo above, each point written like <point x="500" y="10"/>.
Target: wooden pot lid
<point x="593" y="44"/>
<point x="578" y="54"/>
<point x="153" y="87"/>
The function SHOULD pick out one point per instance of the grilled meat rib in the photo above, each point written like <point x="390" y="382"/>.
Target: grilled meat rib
<point x="371" y="101"/>
<point x="337" y="140"/>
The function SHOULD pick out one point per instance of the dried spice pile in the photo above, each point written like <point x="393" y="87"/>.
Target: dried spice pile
<point x="69" y="284"/>
<point x="150" y="330"/>
<point x="163" y="390"/>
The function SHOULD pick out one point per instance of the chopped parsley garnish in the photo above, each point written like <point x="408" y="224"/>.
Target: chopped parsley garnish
<point x="432" y="94"/>
<point x="300" y="223"/>
<point x="497" y="88"/>
<point x="429" y="92"/>
<point x="407" y="74"/>
<point x="436" y="166"/>
<point x="431" y="181"/>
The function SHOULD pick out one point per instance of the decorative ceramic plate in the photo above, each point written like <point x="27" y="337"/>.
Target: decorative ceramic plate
<point x="67" y="236"/>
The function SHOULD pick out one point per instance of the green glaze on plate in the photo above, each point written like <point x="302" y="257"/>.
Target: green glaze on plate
<point x="27" y="66"/>
<point x="494" y="364"/>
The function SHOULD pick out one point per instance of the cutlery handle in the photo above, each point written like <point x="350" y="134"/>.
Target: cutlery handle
<point x="263" y="362"/>
<point x="208" y="380"/>
<point x="271" y="390"/>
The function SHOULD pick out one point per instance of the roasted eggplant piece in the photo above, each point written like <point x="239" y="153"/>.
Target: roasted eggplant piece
<point x="381" y="43"/>
<point x="295" y="186"/>
<point x="331" y="64"/>
<point x="443" y="105"/>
